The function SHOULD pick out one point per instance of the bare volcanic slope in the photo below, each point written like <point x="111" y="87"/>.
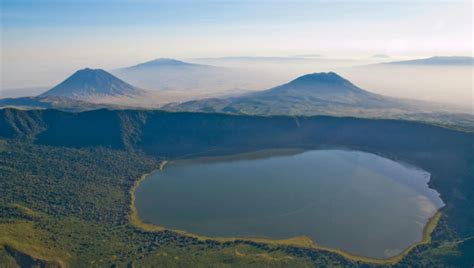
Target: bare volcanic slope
<point x="94" y="85"/>
<point x="317" y="93"/>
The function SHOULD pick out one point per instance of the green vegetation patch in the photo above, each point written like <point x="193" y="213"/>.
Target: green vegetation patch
<point x="64" y="206"/>
<point x="71" y="207"/>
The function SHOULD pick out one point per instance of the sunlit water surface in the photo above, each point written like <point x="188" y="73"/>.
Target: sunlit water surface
<point x="359" y="202"/>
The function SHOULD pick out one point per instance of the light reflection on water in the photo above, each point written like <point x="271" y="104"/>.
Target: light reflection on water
<point x="359" y="202"/>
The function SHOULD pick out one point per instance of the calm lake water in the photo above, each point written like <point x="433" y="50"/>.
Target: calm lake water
<point x="355" y="201"/>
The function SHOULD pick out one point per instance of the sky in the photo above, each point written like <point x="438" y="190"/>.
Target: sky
<point x="44" y="40"/>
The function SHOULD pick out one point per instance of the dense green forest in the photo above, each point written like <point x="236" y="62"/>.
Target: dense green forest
<point x="63" y="205"/>
<point x="65" y="181"/>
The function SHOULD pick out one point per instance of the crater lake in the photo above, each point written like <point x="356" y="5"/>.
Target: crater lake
<point x="358" y="202"/>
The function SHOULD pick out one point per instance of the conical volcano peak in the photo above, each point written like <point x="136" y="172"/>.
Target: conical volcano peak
<point x="317" y="83"/>
<point x="89" y="83"/>
<point x="327" y="78"/>
<point x="89" y="72"/>
<point x="87" y="69"/>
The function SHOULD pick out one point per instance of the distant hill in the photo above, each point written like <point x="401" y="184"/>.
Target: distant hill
<point x="93" y="85"/>
<point x="438" y="60"/>
<point x="317" y="93"/>
<point x="170" y="74"/>
<point x="163" y="62"/>
<point x="320" y="86"/>
<point x="196" y="79"/>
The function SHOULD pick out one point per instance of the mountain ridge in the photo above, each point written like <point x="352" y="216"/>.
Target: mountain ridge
<point x="437" y="60"/>
<point x="146" y="129"/>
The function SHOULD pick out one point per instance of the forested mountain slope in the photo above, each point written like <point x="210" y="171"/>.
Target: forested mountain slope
<point x="447" y="154"/>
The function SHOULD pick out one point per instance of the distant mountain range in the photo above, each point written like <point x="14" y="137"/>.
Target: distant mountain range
<point x="311" y="94"/>
<point x="261" y="58"/>
<point x="91" y="85"/>
<point x="438" y="60"/>
<point x="326" y="94"/>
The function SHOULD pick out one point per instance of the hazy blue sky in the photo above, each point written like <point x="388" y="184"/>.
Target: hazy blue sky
<point x="39" y="38"/>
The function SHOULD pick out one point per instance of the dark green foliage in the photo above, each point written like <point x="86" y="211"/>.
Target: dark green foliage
<point x="15" y="123"/>
<point x="104" y="177"/>
<point x="113" y="148"/>
<point x="81" y="198"/>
